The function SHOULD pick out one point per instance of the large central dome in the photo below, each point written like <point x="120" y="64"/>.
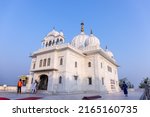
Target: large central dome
<point x="79" y="40"/>
<point x="82" y="40"/>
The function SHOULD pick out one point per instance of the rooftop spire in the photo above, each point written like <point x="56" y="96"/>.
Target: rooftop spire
<point x="106" y="47"/>
<point x="82" y="27"/>
<point x="91" y="31"/>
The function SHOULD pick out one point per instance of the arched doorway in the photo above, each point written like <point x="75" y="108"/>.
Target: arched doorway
<point x="43" y="83"/>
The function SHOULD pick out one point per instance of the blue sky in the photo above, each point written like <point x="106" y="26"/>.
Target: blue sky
<point x="124" y="26"/>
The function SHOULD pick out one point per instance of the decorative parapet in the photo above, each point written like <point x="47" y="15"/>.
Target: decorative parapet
<point x="57" y="47"/>
<point x="102" y="53"/>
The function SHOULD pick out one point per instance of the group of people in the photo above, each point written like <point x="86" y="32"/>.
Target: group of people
<point x="145" y="96"/>
<point x="146" y="93"/>
<point x="34" y="86"/>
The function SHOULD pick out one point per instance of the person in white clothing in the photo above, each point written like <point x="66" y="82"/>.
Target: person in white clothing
<point x="34" y="87"/>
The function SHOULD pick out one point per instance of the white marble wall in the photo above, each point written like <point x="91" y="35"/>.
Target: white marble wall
<point x="68" y="70"/>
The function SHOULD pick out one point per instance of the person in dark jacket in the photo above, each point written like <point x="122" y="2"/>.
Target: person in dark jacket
<point x="147" y="90"/>
<point x="125" y="88"/>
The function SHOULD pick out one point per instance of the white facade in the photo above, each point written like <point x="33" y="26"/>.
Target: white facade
<point x="82" y="66"/>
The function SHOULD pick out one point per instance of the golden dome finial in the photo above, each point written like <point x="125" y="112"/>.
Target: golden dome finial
<point x="82" y="27"/>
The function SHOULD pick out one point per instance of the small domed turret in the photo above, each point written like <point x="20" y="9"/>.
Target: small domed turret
<point x="53" y="38"/>
<point x="92" y="40"/>
<point x="109" y="53"/>
<point x="61" y="33"/>
<point x="53" y="33"/>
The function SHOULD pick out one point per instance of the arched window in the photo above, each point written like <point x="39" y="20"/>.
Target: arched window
<point x="90" y="80"/>
<point x="60" y="80"/>
<point x="48" y="62"/>
<point x="89" y="64"/>
<point x="61" y="41"/>
<point x="109" y="68"/>
<point x="101" y="65"/>
<point x="40" y="65"/>
<point x="50" y="43"/>
<point x="102" y="80"/>
<point x="44" y="62"/>
<point x="61" y="61"/>
<point x="76" y="64"/>
<point x="57" y="41"/>
<point x="53" y="42"/>
<point x="46" y="44"/>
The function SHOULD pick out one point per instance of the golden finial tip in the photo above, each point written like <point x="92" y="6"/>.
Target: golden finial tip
<point x="82" y="27"/>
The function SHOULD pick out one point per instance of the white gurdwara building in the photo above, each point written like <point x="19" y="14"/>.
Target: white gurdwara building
<point x="79" y="66"/>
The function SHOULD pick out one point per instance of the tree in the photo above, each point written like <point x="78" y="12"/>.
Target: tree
<point x="130" y="85"/>
<point x="142" y="84"/>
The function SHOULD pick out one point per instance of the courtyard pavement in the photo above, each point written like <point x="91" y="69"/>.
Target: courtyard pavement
<point x="133" y="95"/>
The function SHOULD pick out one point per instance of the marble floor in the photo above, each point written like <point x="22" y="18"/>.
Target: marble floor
<point x="133" y="95"/>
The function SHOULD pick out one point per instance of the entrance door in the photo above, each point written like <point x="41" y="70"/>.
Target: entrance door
<point x="43" y="82"/>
